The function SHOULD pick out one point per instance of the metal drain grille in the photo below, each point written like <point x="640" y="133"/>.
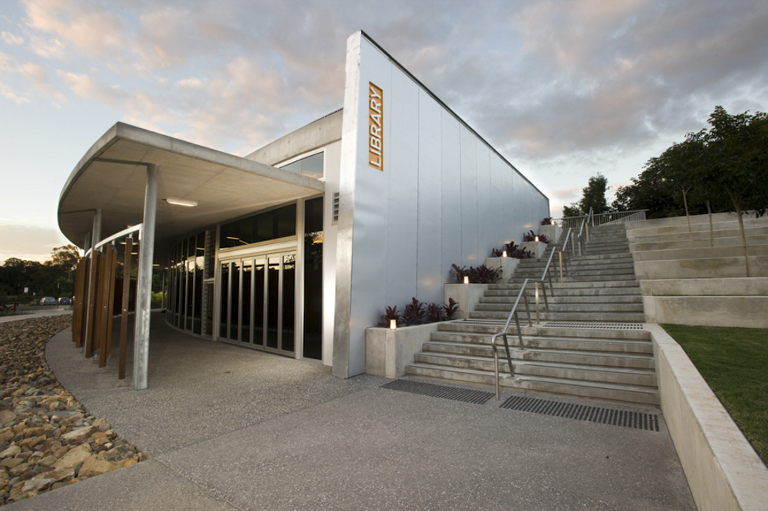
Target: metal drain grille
<point x="429" y="389"/>
<point x="594" y="325"/>
<point x="610" y="416"/>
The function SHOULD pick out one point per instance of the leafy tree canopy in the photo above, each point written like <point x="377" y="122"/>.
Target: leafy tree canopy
<point x="725" y="166"/>
<point x="594" y="198"/>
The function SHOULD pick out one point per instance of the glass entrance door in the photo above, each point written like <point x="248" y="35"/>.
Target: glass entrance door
<point x="258" y="302"/>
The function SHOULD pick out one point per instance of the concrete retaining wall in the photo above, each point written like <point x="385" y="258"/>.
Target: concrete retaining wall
<point x="723" y="471"/>
<point x="387" y="351"/>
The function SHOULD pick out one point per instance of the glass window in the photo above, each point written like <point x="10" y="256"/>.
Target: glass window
<point x="277" y="223"/>
<point x="311" y="166"/>
<point x="313" y="278"/>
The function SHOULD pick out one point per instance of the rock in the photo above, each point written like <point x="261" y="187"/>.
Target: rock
<point x="6" y="416"/>
<point x="30" y="432"/>
<point x="61" y="451"/>
<point x="10" y="452"/>
<point x="36" y="484"/>
<point x="11" y="462"/>
<point x="48" y="461"/>
<point x="31" y="442"/>
<point x="6" y="434"/>
<point x="77" y="434"/>
<point x="102" y="425"/>
<point x="60" y="474"/>
<point x="94" y="466"/>
<point x="128" y="463"/>
<point x="120" y="453"/>
<point x="18" y="470"/>
<point x="74" y="457"/>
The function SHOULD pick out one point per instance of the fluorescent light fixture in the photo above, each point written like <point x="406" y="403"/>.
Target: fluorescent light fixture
<point x="181" y="202"/>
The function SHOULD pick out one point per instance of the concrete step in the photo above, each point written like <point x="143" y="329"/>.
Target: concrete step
<point x="575" y="298"/>
<point x="605" y="391"/>
<point x="571" y="344"/>
<point x="610" y="317"/>
<point x="597" y="358"/>
<point x="587" y="331"/>
<point x="568" y="307"/>
<point x="570" y="371"/>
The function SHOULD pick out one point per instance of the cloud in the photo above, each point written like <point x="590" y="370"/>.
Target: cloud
<point x="85" y="27"/>
<point x="11" y="39"/>
<point x="32" y="243"/>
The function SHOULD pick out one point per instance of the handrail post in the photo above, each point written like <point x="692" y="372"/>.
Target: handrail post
<point x="496" y="371"/>
<point x="519" y="333"/>
<point x="560" y="254"/>
<point x="527" y="310"/>
<point x="536" y="284"/>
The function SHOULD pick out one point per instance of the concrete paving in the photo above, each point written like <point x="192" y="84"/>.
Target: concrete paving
<point x="226" y="427"/>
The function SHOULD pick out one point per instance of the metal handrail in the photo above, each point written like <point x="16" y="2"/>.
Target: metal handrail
<point x="503" y="334"/>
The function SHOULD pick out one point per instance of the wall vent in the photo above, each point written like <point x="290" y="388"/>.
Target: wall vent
<point x="335" y="208"/>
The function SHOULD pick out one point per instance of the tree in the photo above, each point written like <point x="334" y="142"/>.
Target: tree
<point x="594" y="198"/>
<point x="735" y="163"/>
<point x="66" y="256"/>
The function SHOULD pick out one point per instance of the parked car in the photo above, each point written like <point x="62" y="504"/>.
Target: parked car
<point x="47" y="300"/>
<point x="65" y="300"/>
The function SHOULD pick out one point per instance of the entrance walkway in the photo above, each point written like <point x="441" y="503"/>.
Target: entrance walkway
<point x="231" y="428"/>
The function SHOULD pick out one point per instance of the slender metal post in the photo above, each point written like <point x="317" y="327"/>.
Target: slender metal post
<point x="536" y="284"/>
<point x="144" y="284"/>
<point x="496" y="372"/>
<point x="560" y="254"/>
<point x="94" y="239"/>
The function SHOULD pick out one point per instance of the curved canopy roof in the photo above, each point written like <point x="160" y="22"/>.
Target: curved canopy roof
<point x="223" y="185"/>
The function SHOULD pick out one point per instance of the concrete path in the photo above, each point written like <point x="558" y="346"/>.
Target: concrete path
<point x="53" y="311"/>
<point x="230" y="428"/>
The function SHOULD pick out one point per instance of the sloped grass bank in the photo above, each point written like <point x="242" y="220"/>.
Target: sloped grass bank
<point x="734" y="362"/>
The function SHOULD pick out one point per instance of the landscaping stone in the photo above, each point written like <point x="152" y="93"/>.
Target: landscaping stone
<point x="47" y="439"/>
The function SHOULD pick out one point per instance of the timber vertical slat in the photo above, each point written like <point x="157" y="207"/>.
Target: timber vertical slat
<point x="104" y="298"/>
<point x="91" y="318"/>
<point x="124" y="313"/>
<point x="79" y="292"/>
<point x="99" y="322"/>
<point x="112" y="272"/>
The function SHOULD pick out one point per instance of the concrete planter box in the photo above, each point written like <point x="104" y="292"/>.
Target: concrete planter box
<point x="537" y="248"/>
<point x="387" y="351"/>
<point x="467" y="295"/>
<point x="507" y="265"/>
<point x="552" y="232"/>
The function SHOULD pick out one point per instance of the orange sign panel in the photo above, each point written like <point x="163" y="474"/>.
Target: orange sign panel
<point x="375" y="127"/>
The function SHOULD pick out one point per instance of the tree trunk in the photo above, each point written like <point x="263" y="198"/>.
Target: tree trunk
<point x="737" y="205"/>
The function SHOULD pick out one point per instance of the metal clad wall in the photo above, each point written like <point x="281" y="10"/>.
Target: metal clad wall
<point x="469" y="255"/>
<point x="430" y="267"/>
<point x="486" y="222"/>
<point x="444" y="197"/>
<point x="370" y="225"/>
<point x="450" y="206"/>
<point x="402" y="174"/>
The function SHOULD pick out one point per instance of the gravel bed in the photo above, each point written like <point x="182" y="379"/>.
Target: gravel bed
<point x="47" y="439"/>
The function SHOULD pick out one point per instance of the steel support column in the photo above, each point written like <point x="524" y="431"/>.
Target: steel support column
<point x="94" y="239"/>
<point x="144" y="284"/>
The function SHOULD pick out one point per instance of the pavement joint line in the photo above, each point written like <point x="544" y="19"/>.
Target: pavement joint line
<point x="199" y="485"/>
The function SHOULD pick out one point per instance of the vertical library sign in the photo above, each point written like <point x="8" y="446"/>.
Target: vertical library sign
<point x="375" y="127"/>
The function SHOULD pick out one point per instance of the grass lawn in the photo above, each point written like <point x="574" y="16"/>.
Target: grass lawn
<point x="734" y="362"/>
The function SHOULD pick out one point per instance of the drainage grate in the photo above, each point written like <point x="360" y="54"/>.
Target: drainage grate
<point x="429" y="389"/>
<point x="594" y="325"/>
<point x="610" y="416"/>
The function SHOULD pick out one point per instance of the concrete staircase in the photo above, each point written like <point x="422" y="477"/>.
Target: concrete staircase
<point x="587" y="344"/>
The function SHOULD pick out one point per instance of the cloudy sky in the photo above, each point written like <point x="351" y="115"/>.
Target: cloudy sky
<point x="564" y="89"/>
